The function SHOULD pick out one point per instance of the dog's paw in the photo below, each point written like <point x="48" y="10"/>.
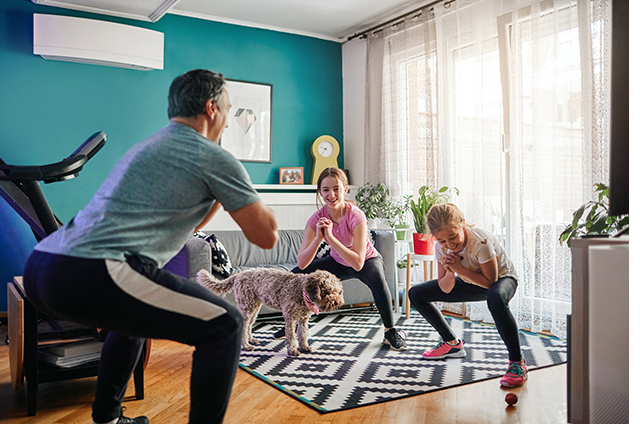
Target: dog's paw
<point x="254" y="341"/>
<point x="294" y="352"/>
<point x="248" y="347"/>
<point x="305" y="349"/>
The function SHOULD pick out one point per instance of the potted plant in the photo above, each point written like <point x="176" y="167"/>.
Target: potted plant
<point x="374" y="201"/>
<point x="402" y="266"/>
<point x="422" y="240"/>
<point x="597" y="220"/>
<point x="399" y="217"/>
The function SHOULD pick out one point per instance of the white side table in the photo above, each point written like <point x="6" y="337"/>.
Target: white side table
<point x="426" y="260"/>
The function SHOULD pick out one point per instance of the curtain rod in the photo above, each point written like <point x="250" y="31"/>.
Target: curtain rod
<point x="363" y="34"/>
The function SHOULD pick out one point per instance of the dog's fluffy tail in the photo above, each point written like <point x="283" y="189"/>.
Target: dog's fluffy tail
<point x="207" y="280"/>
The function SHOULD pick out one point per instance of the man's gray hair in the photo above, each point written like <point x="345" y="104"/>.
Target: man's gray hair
<point x="190" y="92"/>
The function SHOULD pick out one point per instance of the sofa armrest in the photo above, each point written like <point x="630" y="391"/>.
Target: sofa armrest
<point x="194" y="256"/>
<point x="385" y="243"/>
<point x="199" y="254"/>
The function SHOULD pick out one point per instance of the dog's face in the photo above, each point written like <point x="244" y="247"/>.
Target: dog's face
<point x="325" y="290"/>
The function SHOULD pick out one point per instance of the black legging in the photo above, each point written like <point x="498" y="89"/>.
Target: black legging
<point x="372" y="274"/>
<point x="135" y="300"/>
<point x="497" y="296"/>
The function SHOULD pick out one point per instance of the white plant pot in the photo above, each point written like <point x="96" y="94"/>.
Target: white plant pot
<point x="402" y="275"/>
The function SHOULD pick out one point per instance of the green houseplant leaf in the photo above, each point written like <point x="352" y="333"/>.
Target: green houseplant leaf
<point x="597" y="220"/>
<point x="425" y="200"/>
<point x="374" y="200"/>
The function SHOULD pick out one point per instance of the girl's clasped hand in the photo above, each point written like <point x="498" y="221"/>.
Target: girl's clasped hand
<point x="452" y="261"/>
<point x="324" y="228"/>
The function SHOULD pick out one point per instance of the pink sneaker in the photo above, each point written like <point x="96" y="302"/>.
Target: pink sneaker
<point x="516" y="374"/>
<point x="445" y="350"/>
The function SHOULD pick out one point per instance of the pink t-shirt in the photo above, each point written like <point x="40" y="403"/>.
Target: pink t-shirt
<point x="344" y="230"/>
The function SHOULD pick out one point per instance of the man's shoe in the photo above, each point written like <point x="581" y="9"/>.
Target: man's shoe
<point x="136" y="420"/>
<point x="279" y="334"/>
<point x="516" y="374"/>
<point x="395" y="339"/>
<point x="445" y="350"/>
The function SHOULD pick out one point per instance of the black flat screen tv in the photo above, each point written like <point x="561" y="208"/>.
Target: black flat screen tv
<point x="619" y="153"/>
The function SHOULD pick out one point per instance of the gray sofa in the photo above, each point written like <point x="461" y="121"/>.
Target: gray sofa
<point x="196" y="255"/>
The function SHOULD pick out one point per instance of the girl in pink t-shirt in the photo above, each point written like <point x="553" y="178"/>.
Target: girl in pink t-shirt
<point x="344" y="227"/>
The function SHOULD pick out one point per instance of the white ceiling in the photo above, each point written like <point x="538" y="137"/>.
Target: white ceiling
<point x="334" y="20"/>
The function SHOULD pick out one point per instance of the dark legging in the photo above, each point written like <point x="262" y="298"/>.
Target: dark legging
<point x="372" y="274"/>
<point x="134" y="300"/>
<point x="497" y="296"/>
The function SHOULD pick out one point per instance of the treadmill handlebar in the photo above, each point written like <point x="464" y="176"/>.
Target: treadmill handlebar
<point x="64" y="170"/>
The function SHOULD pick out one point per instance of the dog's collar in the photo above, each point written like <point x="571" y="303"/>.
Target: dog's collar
<point x="307" y="301"/>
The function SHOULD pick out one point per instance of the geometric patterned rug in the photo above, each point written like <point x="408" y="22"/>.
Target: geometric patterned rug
<point x="350" y="367"/>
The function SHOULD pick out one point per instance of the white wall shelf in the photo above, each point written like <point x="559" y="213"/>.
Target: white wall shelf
<point x="293" y="187"/>
<point x="285" y="187"/>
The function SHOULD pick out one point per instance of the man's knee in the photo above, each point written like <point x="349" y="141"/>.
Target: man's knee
<point x="236" y="321"/>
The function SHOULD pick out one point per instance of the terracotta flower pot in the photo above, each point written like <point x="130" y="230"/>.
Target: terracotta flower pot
<point x="423" y="244"/>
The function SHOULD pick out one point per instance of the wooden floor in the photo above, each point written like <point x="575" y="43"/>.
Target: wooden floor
<point x="541" y="400"/>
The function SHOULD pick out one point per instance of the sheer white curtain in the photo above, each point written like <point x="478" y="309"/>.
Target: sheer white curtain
<point x="401" y="129"/>
<point x="523" y="158"/>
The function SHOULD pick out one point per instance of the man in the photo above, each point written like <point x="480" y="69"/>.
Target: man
<point x="103" y="268"/>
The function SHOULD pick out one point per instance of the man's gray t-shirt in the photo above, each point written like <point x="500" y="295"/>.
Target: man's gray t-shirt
<point x="154" y="198"/>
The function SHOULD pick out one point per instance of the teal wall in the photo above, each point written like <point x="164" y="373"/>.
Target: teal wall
<point x="47" y="108"/>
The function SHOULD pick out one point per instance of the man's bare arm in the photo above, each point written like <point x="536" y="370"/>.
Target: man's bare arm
<point x="214" y="208"/>
<point x="258" y="223"/>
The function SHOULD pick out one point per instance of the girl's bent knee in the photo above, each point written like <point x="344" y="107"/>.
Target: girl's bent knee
<point x="496" y="300"/>
<point x="412" y="294"/>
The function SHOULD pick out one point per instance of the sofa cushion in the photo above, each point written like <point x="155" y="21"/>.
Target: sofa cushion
<point x="282" y="267"/>
<point x="323" y="250"/>
<point x="220" y="262"/>
<point x="245" y="254"/>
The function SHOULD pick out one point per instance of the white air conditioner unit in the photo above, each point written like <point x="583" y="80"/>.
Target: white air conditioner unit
<point x="97" y="42"/>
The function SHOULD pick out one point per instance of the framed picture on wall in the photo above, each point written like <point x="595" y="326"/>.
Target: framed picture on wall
<point x="291" y="175"/>
<point x="248" y="136"/>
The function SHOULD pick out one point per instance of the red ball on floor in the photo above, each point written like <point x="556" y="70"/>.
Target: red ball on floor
<point x="511" y="398"/>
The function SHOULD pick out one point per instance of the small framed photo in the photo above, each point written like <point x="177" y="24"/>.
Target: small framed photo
<point x="291" y="175"/>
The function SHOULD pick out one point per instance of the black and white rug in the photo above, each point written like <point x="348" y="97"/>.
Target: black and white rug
<point x="350" y="367"/>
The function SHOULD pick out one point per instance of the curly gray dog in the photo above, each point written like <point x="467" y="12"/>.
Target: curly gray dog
<point x="296" y="295"/>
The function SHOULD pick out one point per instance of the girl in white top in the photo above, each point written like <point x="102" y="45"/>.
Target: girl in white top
<point x="472" y="266"/>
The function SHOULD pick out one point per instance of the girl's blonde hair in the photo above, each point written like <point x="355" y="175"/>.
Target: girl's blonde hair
<point x="330" y="172"/>
<point x="445" y="215"/>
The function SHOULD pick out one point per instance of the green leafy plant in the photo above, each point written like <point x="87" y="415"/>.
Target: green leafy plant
<point x="426" y="199"/>
<point x="596" y="220"/>
<point x="402" y="263"/>
<point x="374" y="200"/>
<point x="399" y="211"/>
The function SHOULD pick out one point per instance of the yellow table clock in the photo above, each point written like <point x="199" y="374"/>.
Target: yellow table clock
<point x="325" y="151"/>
